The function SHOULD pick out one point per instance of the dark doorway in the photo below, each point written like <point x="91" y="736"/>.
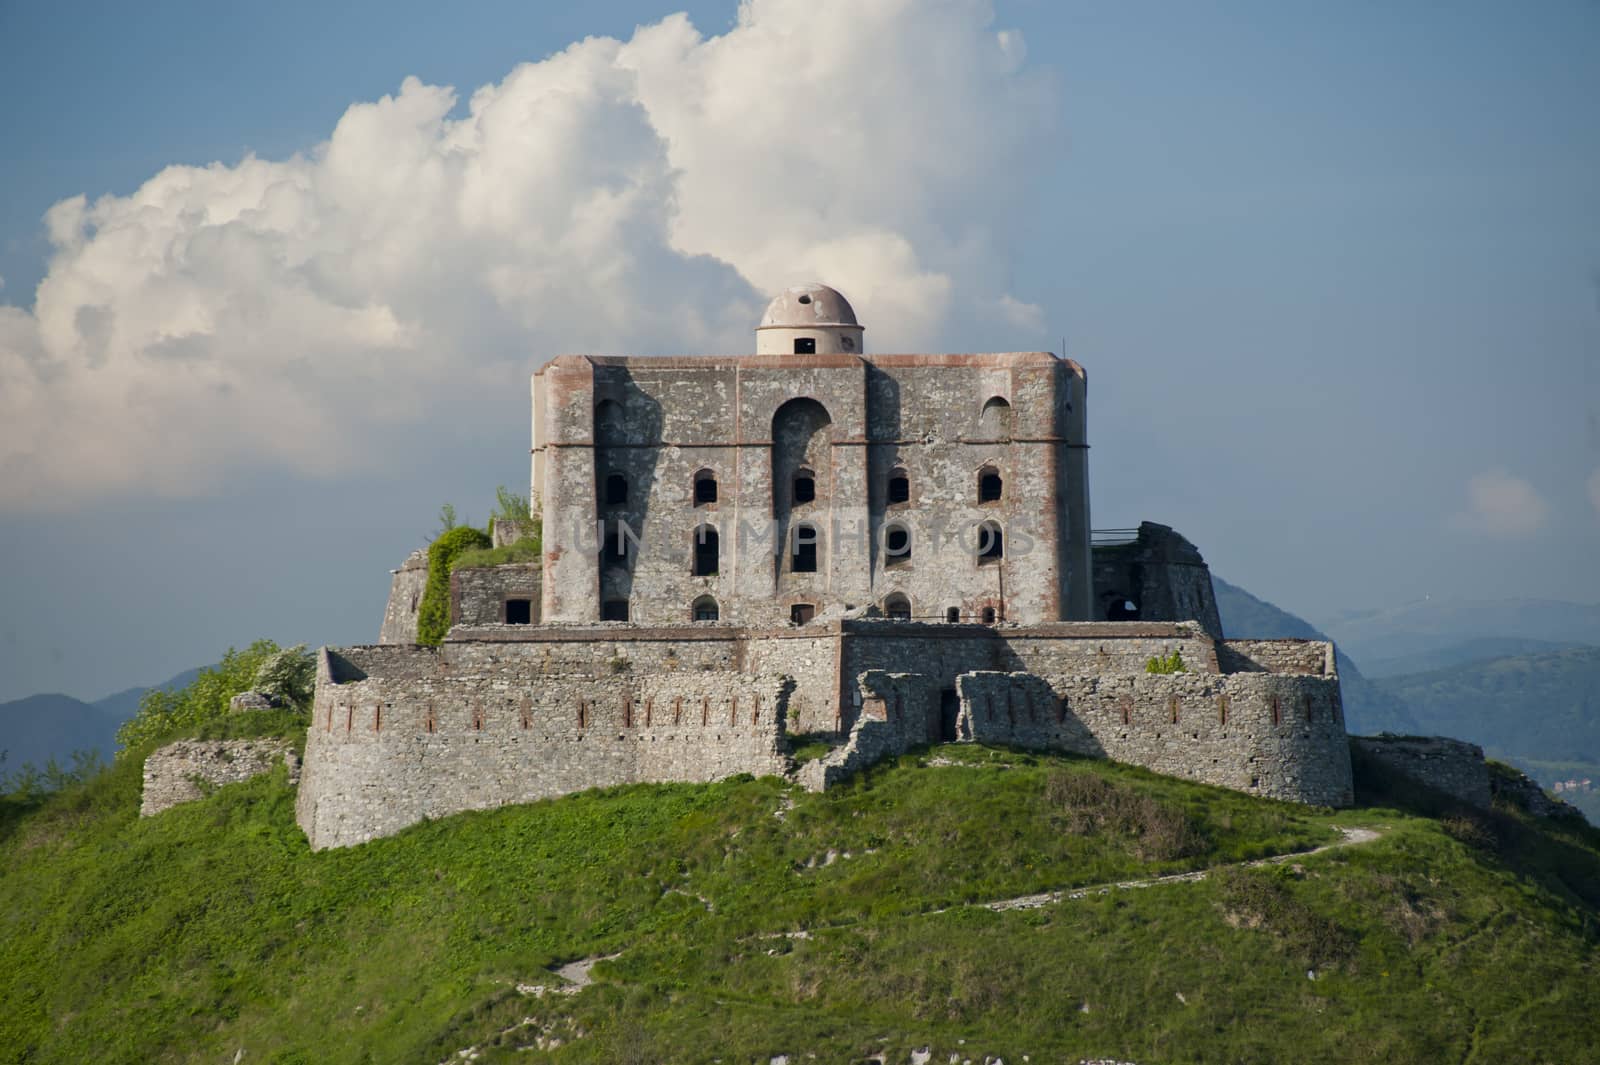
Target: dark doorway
<point x="614" y="610"/>
<point x="990" y="486"/>
<point x="706" y="550"/>
<point x="949" y="712"/>
<point x="899" y="487"/>
<point x="803" y="556"/>
<point x="519" y="612"/>
<point x="988" y="615"/>
<point x="805" y="345"/>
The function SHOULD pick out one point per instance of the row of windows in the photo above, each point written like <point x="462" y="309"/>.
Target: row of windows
<point x="803" y="489"/>
<point x="994" y="418"/>
<point x="803" y="541"/>
<point x="896" y="607"/>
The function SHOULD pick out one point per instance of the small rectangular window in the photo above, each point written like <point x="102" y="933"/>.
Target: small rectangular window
<point x="805" y="345"/>
<point x="802" y="613"/>
<point x="614" y="610"/>
<point x="519" y="612"/>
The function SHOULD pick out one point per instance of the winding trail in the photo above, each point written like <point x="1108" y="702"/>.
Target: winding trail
<point x="1350" y="837"/>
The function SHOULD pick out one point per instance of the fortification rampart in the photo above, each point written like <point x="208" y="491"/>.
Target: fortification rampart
<point x="399" y="737"/>
<point x="504" y="714"/>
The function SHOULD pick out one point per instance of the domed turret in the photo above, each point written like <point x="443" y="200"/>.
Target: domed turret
<point x="810" y="319"/>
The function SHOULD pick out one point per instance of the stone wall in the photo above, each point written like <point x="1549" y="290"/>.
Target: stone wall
<point x="405" y="596"/>
<point x="189" y="769"/>
<point x="502" y="714"/>
<point x="1454" y="767"/>
<point x="853" y="422"/>
<point x="479" y="594"/>
<point x="1309" y="657"/>
<point x="483" y="726"/>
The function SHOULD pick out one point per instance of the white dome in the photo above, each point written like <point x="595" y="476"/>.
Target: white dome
<point x="807" y="306"/>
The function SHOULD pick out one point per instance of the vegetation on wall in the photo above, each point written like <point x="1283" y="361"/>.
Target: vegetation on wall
<point x="433" y="614"/>
<point x="1171" y="663"/>
<point x="286" y="673"/>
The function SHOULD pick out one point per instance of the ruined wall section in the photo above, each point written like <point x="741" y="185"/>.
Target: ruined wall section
<point x="1454" y="767"/>
<point x="189" y="770"/>
<point x="1161" y="573"/>
<point x="405" y="596"/>
<point x="399" y="737"/>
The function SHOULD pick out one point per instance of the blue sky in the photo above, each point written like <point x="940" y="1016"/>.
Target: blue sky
<point x="1332" y="270"/>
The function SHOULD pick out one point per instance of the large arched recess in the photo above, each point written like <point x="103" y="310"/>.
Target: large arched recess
<point x="802" y="441"/>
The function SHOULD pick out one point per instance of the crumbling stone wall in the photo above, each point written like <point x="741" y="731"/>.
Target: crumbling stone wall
<point x="405" y="596"/>
<point x="187" y="770"/>
<point x="1454" y="767"/>
<point x="1161" y="573"/>
<point x="480" y="726"/>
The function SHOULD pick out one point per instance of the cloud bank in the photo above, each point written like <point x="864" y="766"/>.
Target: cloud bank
<point x="617" y="196"/>
<point x="1502" y="505"/>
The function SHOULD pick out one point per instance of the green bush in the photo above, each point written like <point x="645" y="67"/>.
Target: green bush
<point x="433" y="616"/>
<point x="289" y="676"/>
<point x="163" y="712"/>
<point x="1172" y="663"/>
<point x="527" y="549"/>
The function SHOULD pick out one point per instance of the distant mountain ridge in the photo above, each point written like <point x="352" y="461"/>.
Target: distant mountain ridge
<point x="37" y="728"/>
<point x="1432" y="625"/>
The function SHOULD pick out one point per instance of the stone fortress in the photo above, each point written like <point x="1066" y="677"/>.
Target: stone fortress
<point x="881" y="550"/>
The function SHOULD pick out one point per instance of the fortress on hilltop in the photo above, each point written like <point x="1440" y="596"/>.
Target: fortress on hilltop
<point x="883" y="550"/>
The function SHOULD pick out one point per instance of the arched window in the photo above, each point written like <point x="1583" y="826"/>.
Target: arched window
<point x="899" y="486"/>
<point x="706" y="551"/>
<point x="952" y="615"/>
<point x="991" y="543"/>
<point x="705" y="488"/>
<point x="994" y="423"/>
<point x="805" y="487"/>
<point x="990" y="485"/>
<point x="803" y="548"/>
<point x="896" y="545"/>
<point x="704" y="609"/>
<point x="988" y="615"/>
<point x="616" y="489"/>
<point x="897" y="608"/>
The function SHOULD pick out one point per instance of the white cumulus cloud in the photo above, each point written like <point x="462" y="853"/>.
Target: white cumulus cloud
<point x="624" y="196"/>
<point x="1502" y="505"/>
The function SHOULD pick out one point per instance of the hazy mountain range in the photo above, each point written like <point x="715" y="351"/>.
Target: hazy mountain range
<point x="37" y="728"/>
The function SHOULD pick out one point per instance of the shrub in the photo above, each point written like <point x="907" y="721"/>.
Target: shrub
<point x="527" y="549"/>
<point x="433" y="615"/>
<point x="1172" y="663"/>
<point x="163" y="712"/>
<point x="288" y="676"/>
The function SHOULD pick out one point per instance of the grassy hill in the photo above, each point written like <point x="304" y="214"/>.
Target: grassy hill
<point x="746" y="919"/>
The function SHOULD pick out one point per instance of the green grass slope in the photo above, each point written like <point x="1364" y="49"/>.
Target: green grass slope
<point x="748" y="919"/>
